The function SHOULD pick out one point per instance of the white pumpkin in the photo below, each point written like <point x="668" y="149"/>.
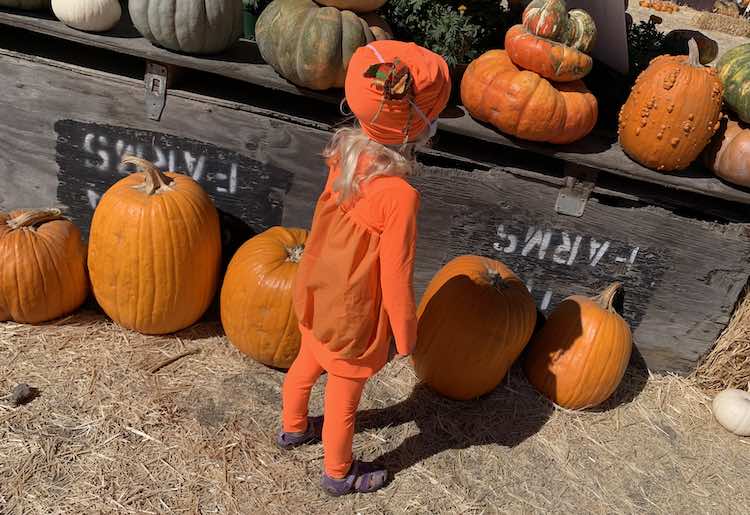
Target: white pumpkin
<point x="732" y="410"/>
<point x="88" y="15"/>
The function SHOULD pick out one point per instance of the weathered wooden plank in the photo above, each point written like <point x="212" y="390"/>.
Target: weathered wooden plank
<point x="682" y="276"/>
<point x="243" y="62"/>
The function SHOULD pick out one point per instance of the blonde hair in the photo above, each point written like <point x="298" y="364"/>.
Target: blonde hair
<point x="346" y="147"/>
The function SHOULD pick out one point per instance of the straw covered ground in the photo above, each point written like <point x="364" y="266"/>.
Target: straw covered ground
<point x="119" y="427"/>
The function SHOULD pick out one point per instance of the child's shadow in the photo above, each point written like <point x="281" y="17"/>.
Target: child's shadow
<point x="506" y="416"/>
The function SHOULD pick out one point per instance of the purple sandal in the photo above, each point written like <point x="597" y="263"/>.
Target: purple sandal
<point x="362" y="478"/>
<point x="311" y="435"/>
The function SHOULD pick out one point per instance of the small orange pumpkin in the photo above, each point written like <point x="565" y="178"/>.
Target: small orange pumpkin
<point x="580" y="355"/>
<point x="474" y="320"/>
<point x="256" y="297"/>
<point x="523" y="104"/>
<point x="154" y="250"/>
<point x="728" y="156"/>
<point x="42" y="266"/>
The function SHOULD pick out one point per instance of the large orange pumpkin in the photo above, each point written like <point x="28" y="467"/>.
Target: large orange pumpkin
<point x="550" y="59"/>
<point x="154" y="250"/>
<point x="580" y="355"/>
<point x="42" y="266"/>
<point x="256" y="297"/>
<point x="728" y="156"/>
<point x="672" y="112"/>
<point x="523" y="104"/>
<point x="474" y="320"/>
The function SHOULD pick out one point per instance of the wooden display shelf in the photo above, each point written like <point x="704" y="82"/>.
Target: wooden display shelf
<point x="243" y="62"/>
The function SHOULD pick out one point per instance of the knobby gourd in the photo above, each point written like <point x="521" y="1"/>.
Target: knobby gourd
<point x="256" y="296"/>
<point x="474" y="320"/>
<point x="154" y="250"/>
<point x="672" y="112"/>
<point x="42" y="266"/>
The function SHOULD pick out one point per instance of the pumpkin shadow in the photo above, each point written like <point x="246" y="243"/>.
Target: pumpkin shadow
<point x="507" y="416"/>
<point x="632" y="384"/>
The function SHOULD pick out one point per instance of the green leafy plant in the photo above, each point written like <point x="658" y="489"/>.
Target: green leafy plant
<point x="645" y="42"/>
<point x="459" y="31"/>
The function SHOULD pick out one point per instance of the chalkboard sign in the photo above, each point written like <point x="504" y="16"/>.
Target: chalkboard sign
<point x="249" y="194"/>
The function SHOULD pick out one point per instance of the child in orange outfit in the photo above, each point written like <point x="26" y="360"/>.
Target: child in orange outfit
<point x="353" y="290"/>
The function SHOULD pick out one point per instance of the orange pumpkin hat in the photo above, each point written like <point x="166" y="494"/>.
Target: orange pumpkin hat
<point x="396" y="90"/>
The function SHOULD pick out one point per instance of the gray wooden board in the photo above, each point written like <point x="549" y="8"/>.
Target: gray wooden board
<point x="243" y="62"/>
<point x="60" y="137"/>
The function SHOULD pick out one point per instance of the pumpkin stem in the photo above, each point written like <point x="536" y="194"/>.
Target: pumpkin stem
<point x="694" y="56"/>
<point x="35" y="217"/>
<point x="611" y="296"/>
<point x="496" y="280"/>
<point x="294" y="254"/>
<point x="155" y="181"/>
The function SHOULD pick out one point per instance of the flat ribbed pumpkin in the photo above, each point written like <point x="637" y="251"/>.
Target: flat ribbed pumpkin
<point x="550" y="19"/>
<point x="154" y="250"/>
<point x="256" y="297"/>
<point x="728" y="156"/>
<point x="42" y="266"/>
<point x="734" y="72"/>
<point x="672" y="112"/>
<point x="309" y="45"/>
<point x="580" y="355"/>
<point x="358" y="6"/>
<point x="475" y="318"/>
<point x="190" y="26"/>
<point x="523" y="104"/>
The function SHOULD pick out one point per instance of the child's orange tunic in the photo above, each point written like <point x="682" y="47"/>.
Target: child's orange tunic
<point x="353" y="288"/>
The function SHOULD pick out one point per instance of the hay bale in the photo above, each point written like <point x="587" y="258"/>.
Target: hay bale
<point x="721" y="23"/>
<point x="728" y="363"/>
<point x="727" y="8"/>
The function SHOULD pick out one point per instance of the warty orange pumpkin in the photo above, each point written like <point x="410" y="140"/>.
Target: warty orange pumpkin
<point x="42" y="266"/>
<point x="523" y="104"/>
<point x="154" y="250"/>
<point x="474" y="320"/>
<point x="580" y="355"/>
<point x="256" y="296"/>
<point x="672" y="112"/>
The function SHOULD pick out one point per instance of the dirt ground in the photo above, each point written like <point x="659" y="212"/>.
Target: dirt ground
<point x="116" y="428"/>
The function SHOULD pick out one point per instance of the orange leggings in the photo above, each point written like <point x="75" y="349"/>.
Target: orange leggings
<point x="342" y="397"/>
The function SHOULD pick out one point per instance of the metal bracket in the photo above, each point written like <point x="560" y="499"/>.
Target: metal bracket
<point x="579" y="184"/>
<point x="156" y="89"/>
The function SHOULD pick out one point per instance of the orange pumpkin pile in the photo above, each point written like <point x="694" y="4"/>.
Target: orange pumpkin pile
<point x="657" y="5"/>
<point x="532" y="89"/>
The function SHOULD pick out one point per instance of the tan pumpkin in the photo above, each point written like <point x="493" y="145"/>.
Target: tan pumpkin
<point x="580" y="355"/>
<point x="523" y="104"/>
<point x="728" y="156"/>
<point x="154" y="250"/>
<point x="256" y="297"/>
<point x="358" y="6"/>
<point x="42" y="266"/>
<point x="672" y="112"/>
<point x="474" y="320"/>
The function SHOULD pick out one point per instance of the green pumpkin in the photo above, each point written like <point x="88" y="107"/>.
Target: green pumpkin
<point x="30" y="5"/>
<point x="310" y="45"/>
<point x="734" y="72"/>
<point x="189" y="26"/>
